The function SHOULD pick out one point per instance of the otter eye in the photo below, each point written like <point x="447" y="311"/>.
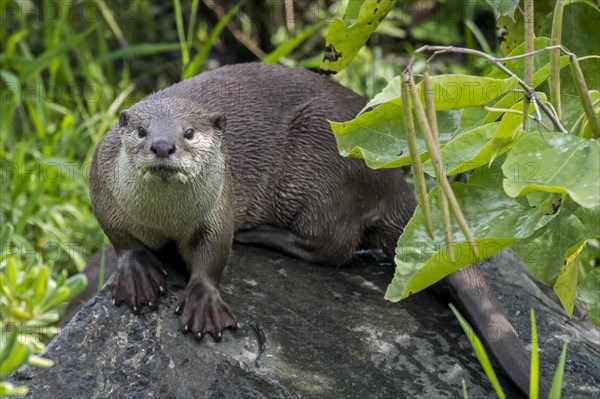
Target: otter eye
<point x="189" y="134"/>
<point x="141" y="132"/>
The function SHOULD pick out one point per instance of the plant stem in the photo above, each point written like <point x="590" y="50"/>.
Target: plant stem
<point x="529" y="47"/>
<point x="411" y="136"/>
<point x="436" y="158"/>
<point x="554" y="79"/>
<point x="584" y="96"/>
<point x="431" y="115"/>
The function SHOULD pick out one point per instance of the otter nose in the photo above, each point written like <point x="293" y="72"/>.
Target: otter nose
<point x="162" y="149"/>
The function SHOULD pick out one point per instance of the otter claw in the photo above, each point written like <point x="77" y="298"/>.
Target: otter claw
<point x="203" y="311"/>
<point x="139" y="280"/>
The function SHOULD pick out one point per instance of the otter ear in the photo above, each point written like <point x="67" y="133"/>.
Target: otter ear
<point x="123" y="118"/>
<point x="218" y="120"/>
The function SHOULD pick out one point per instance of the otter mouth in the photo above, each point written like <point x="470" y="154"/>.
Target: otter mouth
<point x="163" y="171"/>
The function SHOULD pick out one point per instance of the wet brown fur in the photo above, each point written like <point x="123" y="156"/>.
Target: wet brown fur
<point x="283" y="185"/>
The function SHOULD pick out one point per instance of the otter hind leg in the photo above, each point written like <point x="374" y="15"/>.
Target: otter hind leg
<point x="312" y="250"/>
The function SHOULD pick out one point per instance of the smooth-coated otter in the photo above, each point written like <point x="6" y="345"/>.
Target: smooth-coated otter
<point x="247" y="150"/>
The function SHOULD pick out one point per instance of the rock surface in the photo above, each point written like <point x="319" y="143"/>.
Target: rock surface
<point x="307" y="331"/>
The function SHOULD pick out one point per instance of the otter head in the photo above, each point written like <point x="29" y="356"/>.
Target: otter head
<point x="170" y="138"/>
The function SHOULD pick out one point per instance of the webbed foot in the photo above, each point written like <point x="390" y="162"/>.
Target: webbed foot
<point x="140" y="278"/>
<point x="203" y="311"/>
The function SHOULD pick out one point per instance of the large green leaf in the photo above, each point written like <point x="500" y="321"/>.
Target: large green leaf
<point x="546" y="250"/>
<point x="495" y="220"/>
<point x="517" y="66"/>
<point x="589" y="294"/>
<point x="346" y="37"/>
<point x="540" y="75"/>
<point x="378" y="136"/>
<point x="557" y="163"/>
<point x="503" y="7"/>
<point x="467" y="151"/>
<point x="572" y="111"/>
<point x="510" y="28"/>
<point x="488" y="176"/>
<point x="510" y="128"/>
<point x="451" y="91"/>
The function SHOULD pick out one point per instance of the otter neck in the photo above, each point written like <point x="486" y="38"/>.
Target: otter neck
<point x="169" y="205"/>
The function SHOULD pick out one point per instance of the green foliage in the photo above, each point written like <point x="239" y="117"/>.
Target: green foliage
<point x="194" y="67"/>
<point x="31" y="301"/>
<point x="62" y="84"/>
<point x="346" y="37"/>
<point x="480" y="352"/>
<point x="496" y="221"/>
<point x="290" y="45"/>
<point x="562" y="157"/>
<point x="555" y="390"/>
<point x="538" y="205"/>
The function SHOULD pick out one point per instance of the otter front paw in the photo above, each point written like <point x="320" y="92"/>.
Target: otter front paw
<point x="203" y="311"/>
<point x="140" y="278"/>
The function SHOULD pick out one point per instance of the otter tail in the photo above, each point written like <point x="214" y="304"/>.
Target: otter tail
<point x="469" y="291"/>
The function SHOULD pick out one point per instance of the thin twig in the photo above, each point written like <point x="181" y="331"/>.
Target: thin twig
<point x="514" y="111"/>
<point x="497" y="62"/>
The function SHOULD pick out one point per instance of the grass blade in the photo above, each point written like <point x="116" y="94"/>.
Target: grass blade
<point x="137" y="50"/>
<point x="190" y="32"/>
<point x="556" y="388"/>
<point x="482" y="356"/>
<point x="49" y="56"/>
<point x="534" y="371"/>
<point x="185" y="54"/>
<point x="289" y="45"/>
<point x="198" y="60"/>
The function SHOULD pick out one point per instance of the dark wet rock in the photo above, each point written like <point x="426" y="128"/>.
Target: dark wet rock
<point x="307" y="331"/>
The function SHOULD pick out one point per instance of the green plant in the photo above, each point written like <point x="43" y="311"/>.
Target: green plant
<point x="520" y="157"/>
<point x="31" y="301"/>
<point x="62" y="85"/>
<point x="555" y="390"/>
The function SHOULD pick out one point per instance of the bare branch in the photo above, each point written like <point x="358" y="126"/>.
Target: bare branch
<point x="497" y="62"/>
